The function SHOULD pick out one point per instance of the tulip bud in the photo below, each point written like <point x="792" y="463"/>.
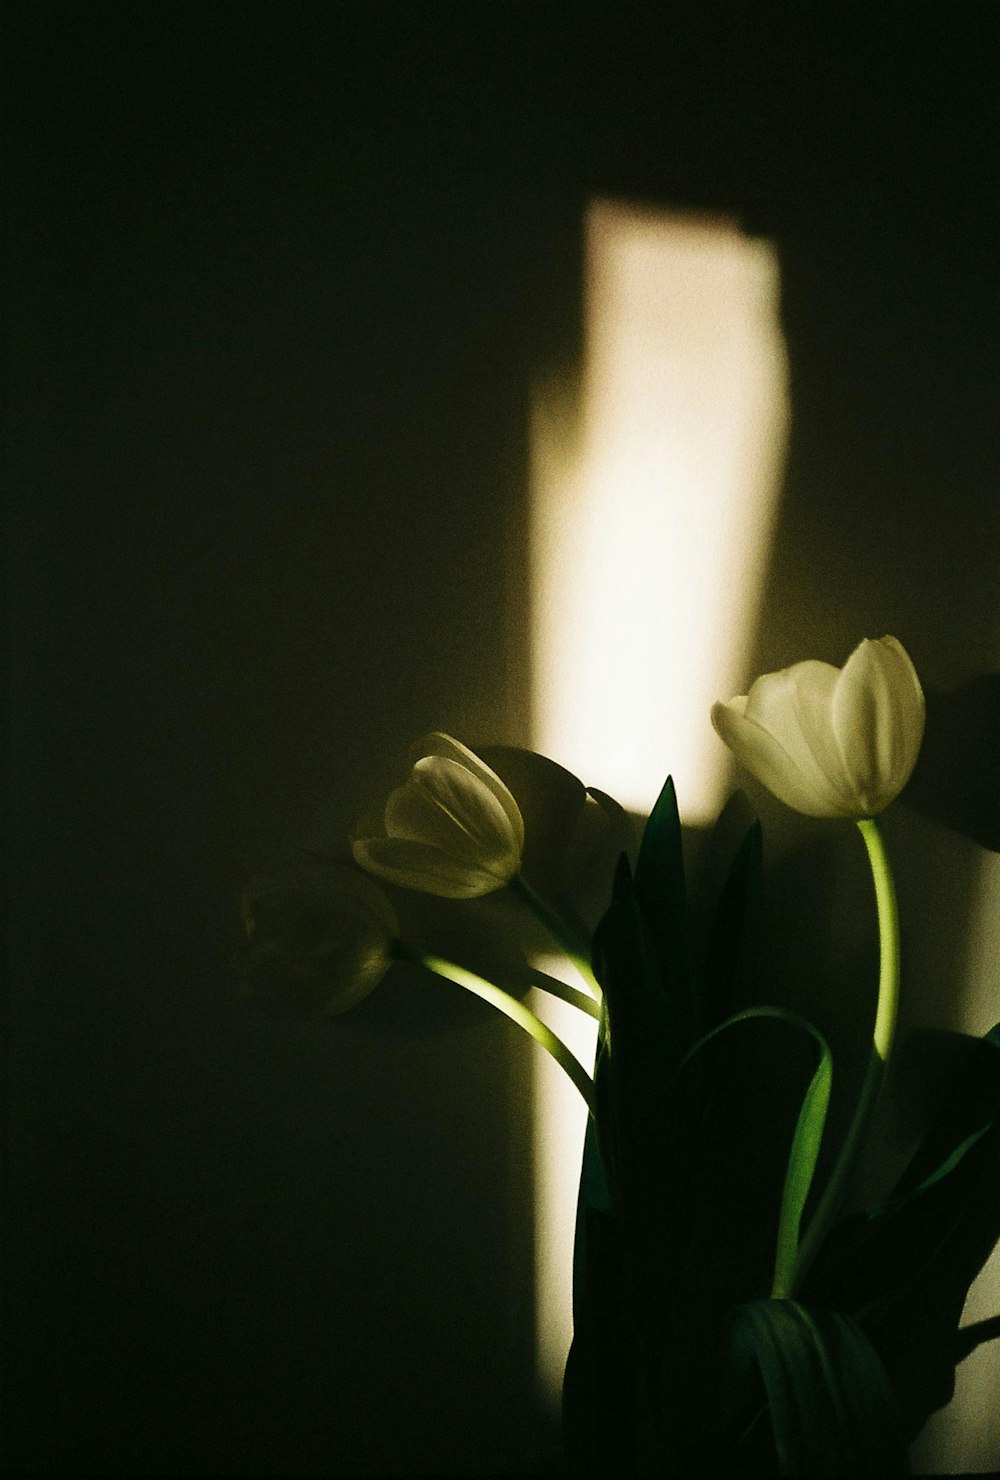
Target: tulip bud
<point x="452" y="829"/>
<point x="831" y="742"/>
<point x="318" y="941"/>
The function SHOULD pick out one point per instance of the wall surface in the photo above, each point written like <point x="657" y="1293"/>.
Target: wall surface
<point x="283" y="281"/>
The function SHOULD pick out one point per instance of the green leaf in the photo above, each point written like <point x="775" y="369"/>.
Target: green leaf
<point x="806" y="1140"/>
<point x="603" y="1368"/>
<point x="662" y="897"/>
<point x="802" y="1161"/>
<point x="596" y="1173"/>
<point x="731" y="957"/>
<point x="646" y="1026"/>
<point x="689" y="1169"/>
<point x="594" y="1196"/>
<point x="965" y="1116"/>
<point x="905" y="1268"/>
<point x="900" y="1200"/>
<point x="830" y="1402"/>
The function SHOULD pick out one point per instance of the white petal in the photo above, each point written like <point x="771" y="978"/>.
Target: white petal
<point x="412" y="815"/>
<point x="445" y="804"/>
<point x="767" y="759"/>
<point x="878" y="718"/>
<point x="908" y="705"/>
<point x="420" y="866"/>
<point x="794" y="707"/>
<point x="448" y="748"/>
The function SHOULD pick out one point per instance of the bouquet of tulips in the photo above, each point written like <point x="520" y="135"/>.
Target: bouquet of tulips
<point x="728" y="1318"/>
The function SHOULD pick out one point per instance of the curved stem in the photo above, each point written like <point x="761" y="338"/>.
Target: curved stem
<point x="556" y="988"/>
<point x="881" y="1049"/>
<point x="575" y="947"/>
<point x="888" y="925"/>
<point x="511" y="1007"/>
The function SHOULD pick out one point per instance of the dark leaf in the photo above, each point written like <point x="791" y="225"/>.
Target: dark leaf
<point x="730" y="977"/>
<point x="645" y="1036"/>
<point x="831" y="1405"/>
<point x="662" y="899"/>
<point x="906" y="1267"/>
<point x="601" y="1383"/>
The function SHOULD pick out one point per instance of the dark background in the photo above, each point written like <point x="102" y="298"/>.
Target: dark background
<point x="279" y="279"/>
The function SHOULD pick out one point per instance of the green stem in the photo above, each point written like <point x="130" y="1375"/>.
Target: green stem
<point x="881" y="1049"/>
<point x="556" y="988"/>
<point x="575" y="947"/>
<point x="515" y="1010"/>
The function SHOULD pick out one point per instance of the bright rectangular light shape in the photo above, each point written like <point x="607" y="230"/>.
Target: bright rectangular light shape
<point x="653" y="505"/>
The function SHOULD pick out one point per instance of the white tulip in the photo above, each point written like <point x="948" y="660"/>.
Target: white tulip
<point x="452" y="829"/>
<point x="831" y="742"/>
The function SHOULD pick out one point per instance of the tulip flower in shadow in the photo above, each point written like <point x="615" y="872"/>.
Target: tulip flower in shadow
<point x="319" y="939"/>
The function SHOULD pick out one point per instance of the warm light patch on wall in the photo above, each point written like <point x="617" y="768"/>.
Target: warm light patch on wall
<point x="652" y="515"/>
<point x="654" y="502"/>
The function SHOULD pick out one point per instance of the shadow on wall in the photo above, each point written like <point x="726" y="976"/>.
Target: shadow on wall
<point x="234" y="1241"/>
<point x="957" y="779"/>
